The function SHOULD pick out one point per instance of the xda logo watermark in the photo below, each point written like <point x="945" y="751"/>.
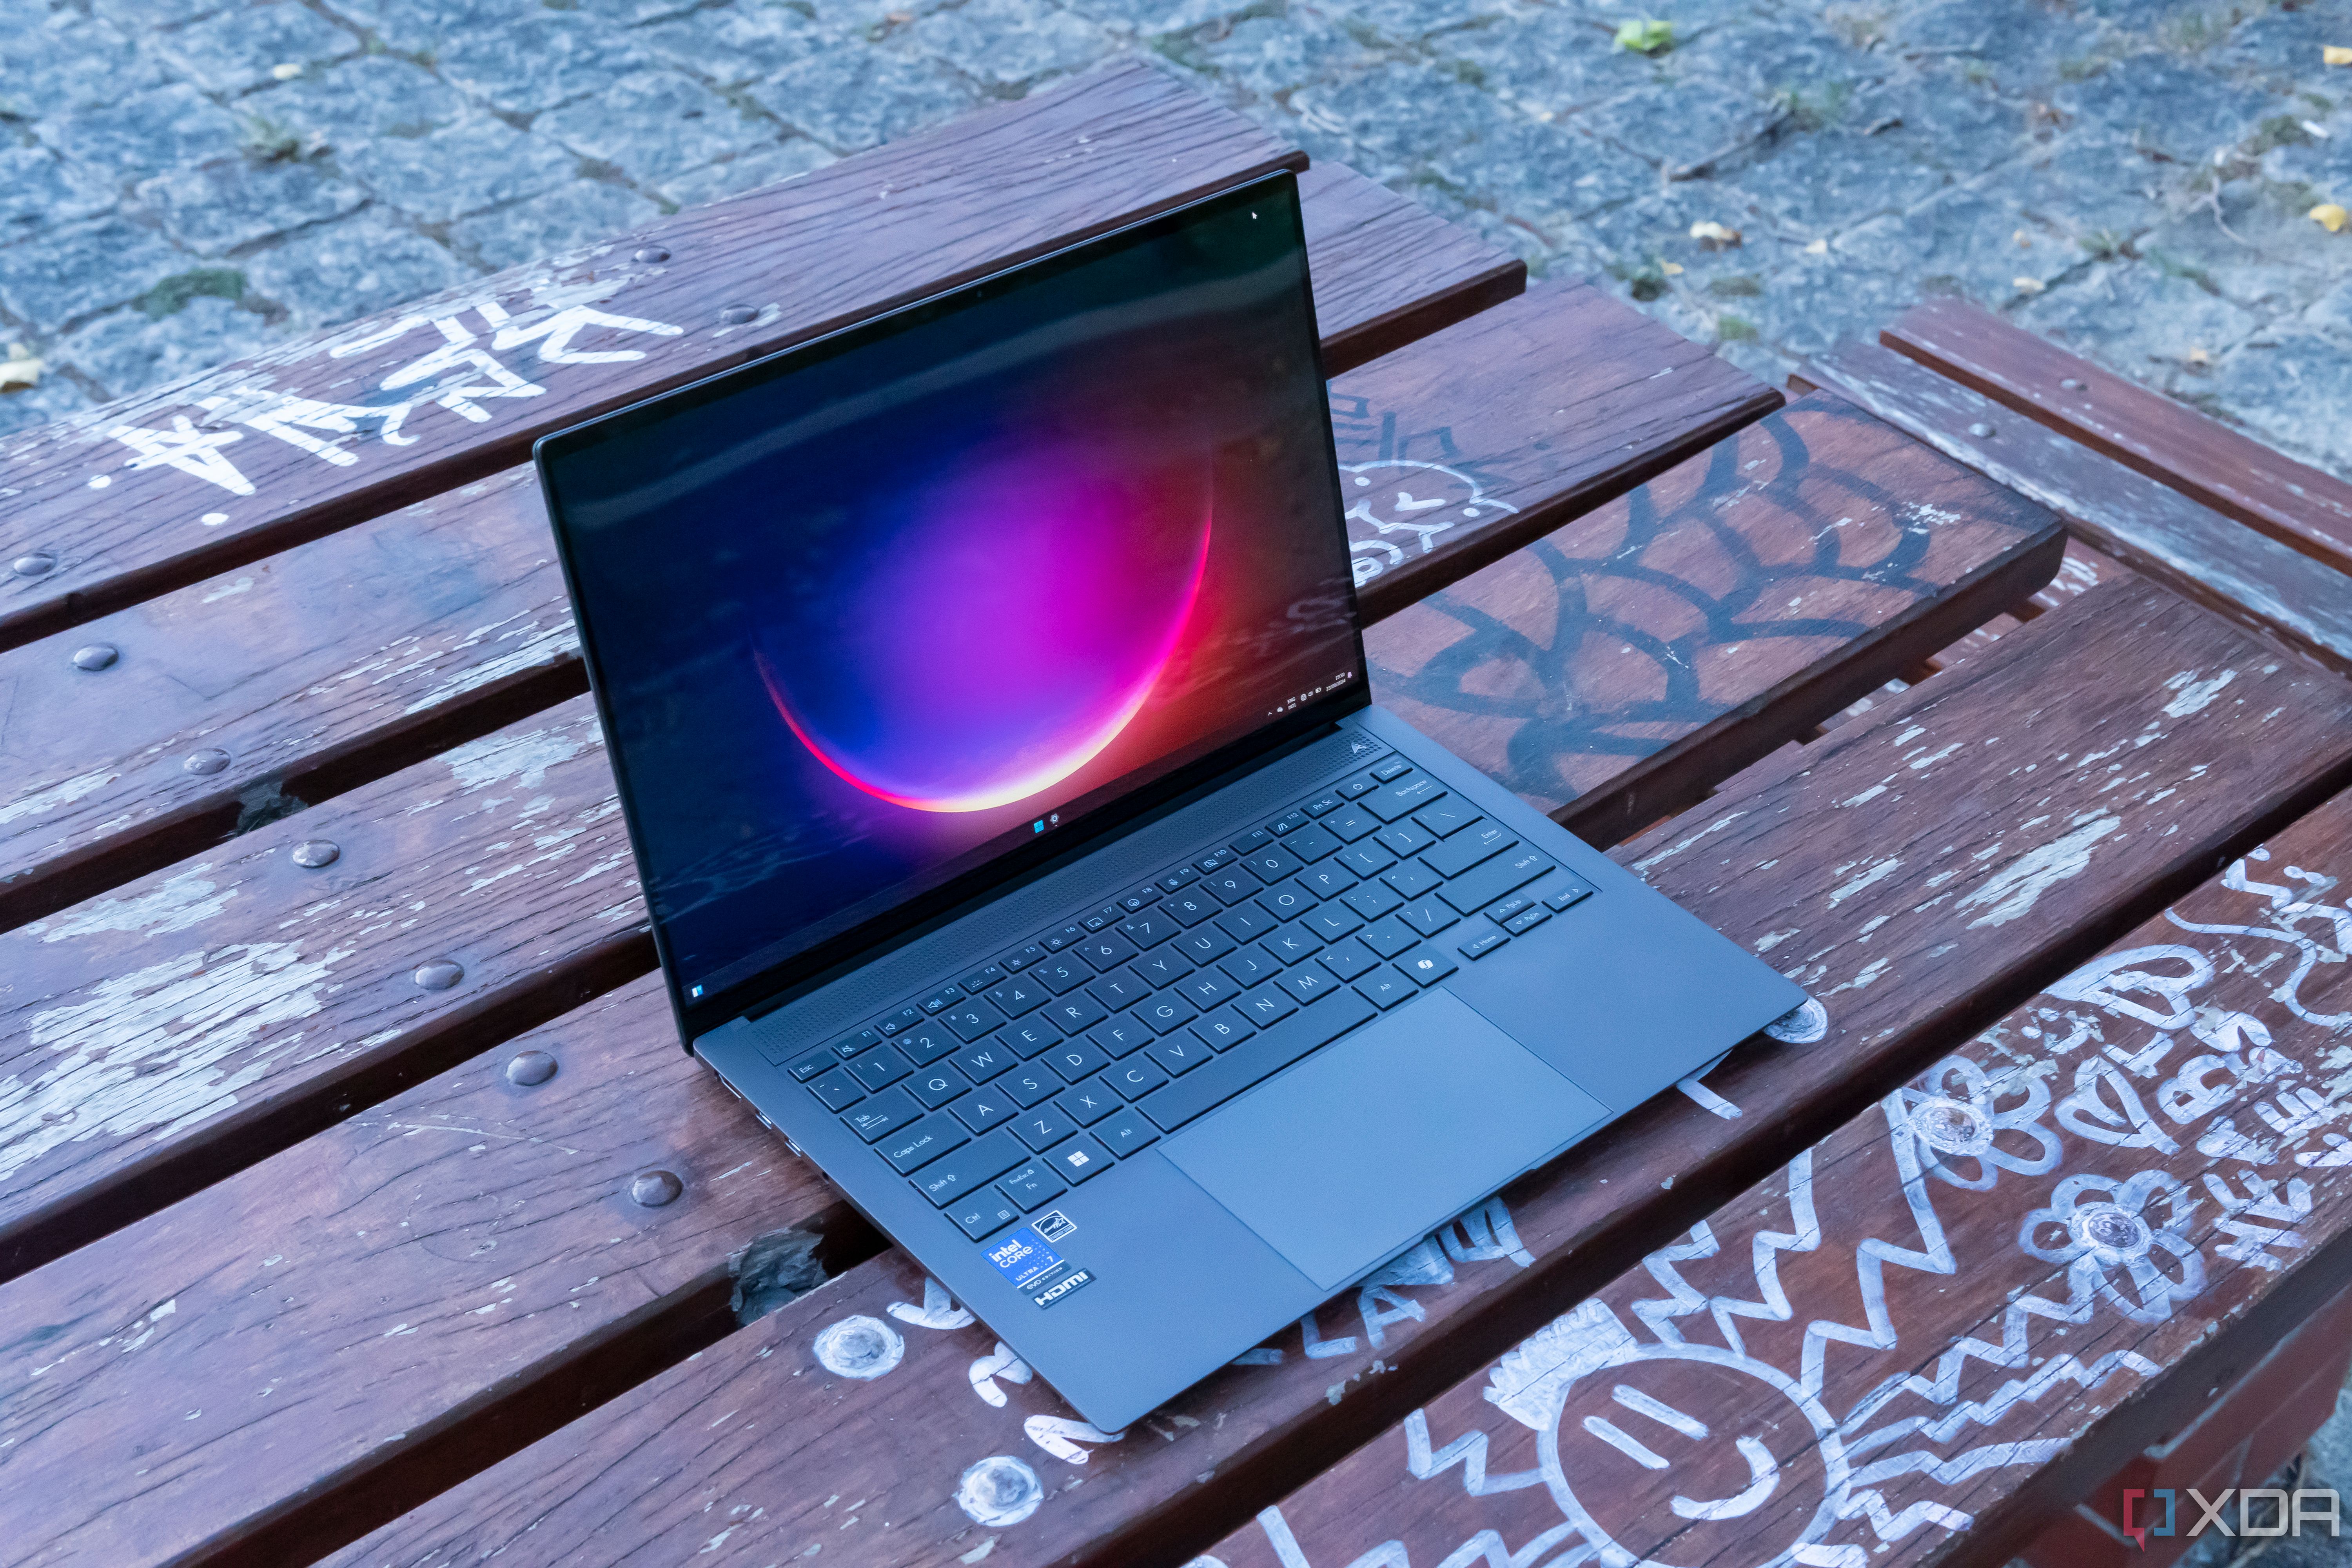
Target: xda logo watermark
<point x="2158" y="1512"/>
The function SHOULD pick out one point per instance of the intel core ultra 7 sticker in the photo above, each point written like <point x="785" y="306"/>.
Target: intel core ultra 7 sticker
<point x="1023" y="1255"/>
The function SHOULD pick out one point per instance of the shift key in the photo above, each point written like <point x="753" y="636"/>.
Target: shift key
<point x="1503" y="874"/>
<point x="1265" y="1053"/>
<point x="980" y="1161"/>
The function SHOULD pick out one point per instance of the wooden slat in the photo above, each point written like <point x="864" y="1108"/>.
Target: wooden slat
<point x="1786" y="869"/>
<point x="1519" y="418"/>
<point x="1609" y="672"/>
<point x="484" y="369"/>
<point x="2169" y="442"/>
<point x="1922" y="1335"/>
<point x="2255" y="581"/>
<point x="340" y="660"/>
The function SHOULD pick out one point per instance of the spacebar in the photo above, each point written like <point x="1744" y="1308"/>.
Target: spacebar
<point x="1212" y="1083"/>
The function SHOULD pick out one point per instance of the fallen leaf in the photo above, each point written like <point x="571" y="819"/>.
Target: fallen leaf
<point x="2331" y="216"/>
<point x="2199" y="360"/>
<point x="286" y="72"/>
<point x="1672" y="268"/>
<point x="1819" y="248"/>
<point x="1715" y="236"/>
<point x="2024" y="240"/>
<point x="2028" y="285"/>
<point x="1649" y="37"/>
<point x="2336" y="55"/>
<point x="19" y="369"/>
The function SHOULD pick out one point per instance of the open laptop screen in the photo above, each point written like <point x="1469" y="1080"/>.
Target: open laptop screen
<point x="870" y="617"/>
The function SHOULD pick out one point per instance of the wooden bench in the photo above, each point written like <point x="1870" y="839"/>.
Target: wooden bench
<point x="359" y="1205"/>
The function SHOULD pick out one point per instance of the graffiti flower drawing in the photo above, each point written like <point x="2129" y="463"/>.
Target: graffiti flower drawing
<point x="1959" y="1116"/>
<point x="2103" y="1229"/>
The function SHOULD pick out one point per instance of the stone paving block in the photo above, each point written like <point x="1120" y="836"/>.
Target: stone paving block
<point x="238" y="48"/>
<point x="540" y="61"/>
<point x="1672" y="128"/>
<point x="40" y="188"/>
<point x="62" y="61"/>
<point x="128" y="349"/>
<point x="230" y="202"/>
<point x="1825" y="182"/>
<point x="424" y="27"/>
<point x="2160" y="101"/>
<point x="54" y="278"/>
<point x="1156" y="18"/>
<point x="2270" y="257"/>
<point x="1965" y="241"/>
<point x="467" y="168"/>
<point x="737" y="45"/>
<point x="1549" y="177"/>
<point x="366" y="262"/>
<point x="572" y="215"/>
<point x="2288" y="387"/>
<point x="346" y="106"/>
<point x="1430" y="21"/>
<point x="54" y="399"/>
<point x="1400" y="116"/>
<point x="1008" y="43"/>
<point x="652" y="125"/>
<point x="1545" y="61"/>
<point x="145" y="133"/>
<point x="1946" y="121"/>
<point x="759" y="166"/>
<point x="2017" y="42"/>
<point x="2145" y="317"/>
<point x="1266" y="58"/>
<point x="1805" y="304"/>
<point x="851" y="96"/>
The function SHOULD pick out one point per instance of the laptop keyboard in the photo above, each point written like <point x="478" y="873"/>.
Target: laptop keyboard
<point x="997" y="1094"/>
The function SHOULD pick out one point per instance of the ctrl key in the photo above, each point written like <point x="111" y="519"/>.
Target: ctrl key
<point x="984" y="1215"/>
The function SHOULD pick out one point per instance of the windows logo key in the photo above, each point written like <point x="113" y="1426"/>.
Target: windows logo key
<point x="1024" y="1257"/>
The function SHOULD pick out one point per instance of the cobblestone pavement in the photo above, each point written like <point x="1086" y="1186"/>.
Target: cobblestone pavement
<point x="182" y="181"/>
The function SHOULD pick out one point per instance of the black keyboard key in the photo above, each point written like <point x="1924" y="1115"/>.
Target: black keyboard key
<point x="1028" y="1036"/>
<point x="1362" y="783"/>
<point x="1267" y="1006"/>
<point x="1074" y="1060"/>
<point x="1404" y="837"/>
<point x="1072" y="1013"/>
<point x="878" y="1067"/>
<point x="1265" y="1053"/>
<point x="1575" y="892"/>
<point x="921" y="1142"/>
<point x="1126" y="1131"/>
<point x="1504" y="873"/>
<point x="1122" y="988"/>
<point x="1332" y="921"/>
<point x="836" y="1091"/>
<point x="1322" y="804"/>
<point x="1372" y="900"/>
<point x="1347" y="960"/>
<point x="1204" y="944"/>
<point x="1103" y="919"/>
<point x="925" y="1044"/>
<point x="1271" y="865"/>
<point x="1106" y="951"/>
<point x="1287" y="900"/>
<point x="1294" y="943"/>
<point x="1142" y="898"/>
<point x="1403" y="797"/>
<point x="1062" y="973"/>
<point x="892" y="1108"/>
<point x="935" y="1086"/>
<point x="1448" y="817"/>
<point x="1251" y="965"/>
<point x="1042" y="1126"/>
<point x="1163" y="968"/>
<point x="984" y="1108"/>
<point x="1289" y="824"/>
<point x="1032" y="1185"/>
<point x="1427" y="916"/>
<point x="1232" y="885"/>
<point x="1216" y="860"/>
<point x="1018" y="995"/>
<point x="1477" y="842"/>
<point x="937" y="1001"/>
<point x="857" y="1043"/>
<point x="1133" y="1079"/>
<point x="1502" y="909"/>
<point x="1389" y="937"/>
<point x="1413" y="878"/>
<point x="807" y="1064"/>
<point x="983" y="1216"/>
<point x="970" y="1168"/>
<point x="1481" y="939"/>
<point x="1246" y="922"/>
<point x="1015" y="962"/>
<point x="1255" y="838"/>
<point x="1387" y="768"/>
<point x="972" y="1019"/>
<point x="1182" y="878"/>
<point x="1428" y="964"/>
<point x="1314" y="841"/>
<point x="1349" y="823"/>
<point x="1088" y="1102"/>
<point x="1192" y="907"/>
<point x="1384" y="987"/>
<point x="1308" y="981"/>
<point x="1148" y="929"/>
<point x="1080" y="1159"/>
<point x="1364" y="860"/>
<point x="1205" y="988"/>
<point x="1118" y="1037"/>
<point x="1180" y="1053"/>
<point x="1166" y="1012"/>
<point x="1029" y="1085"/>
<point x="905" y="1017"/>
<point x="1526" y="921"/>
<point x="1326" y="881"/>
<point x="1065" y="937"/>
<point x="1221" y="1029"/>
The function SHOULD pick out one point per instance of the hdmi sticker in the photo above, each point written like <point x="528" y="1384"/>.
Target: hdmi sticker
<point x="1060" y="1287"/>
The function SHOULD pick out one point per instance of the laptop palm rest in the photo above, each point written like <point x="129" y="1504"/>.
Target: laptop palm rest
<point x="1383" y="1136"/>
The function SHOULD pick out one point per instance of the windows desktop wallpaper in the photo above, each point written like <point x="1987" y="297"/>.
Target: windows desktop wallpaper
<point x="864" y="620"/>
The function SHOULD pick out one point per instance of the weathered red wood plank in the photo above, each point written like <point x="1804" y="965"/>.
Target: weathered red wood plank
<point x="1993" y="780"/>
<point x="2169" y="442"/>
<point x="1607" y="672"/>
<point x="147" y="493"/>
<point x="313" y="670"/>
<point x="1517" y="419"/>
<point x="2047" y="1252"/>
<point x="2253" y="580"/>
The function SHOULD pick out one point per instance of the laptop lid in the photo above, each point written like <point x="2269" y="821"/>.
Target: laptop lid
<point x="885" y="620"/>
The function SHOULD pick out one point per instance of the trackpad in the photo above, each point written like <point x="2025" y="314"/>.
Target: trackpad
<point x="1382" y="1137"/>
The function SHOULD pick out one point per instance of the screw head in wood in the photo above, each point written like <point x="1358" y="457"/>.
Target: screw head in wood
<point x="1979" y="429"/>
<point x="211" y="759"/>
<point x="649" y="253"/>
<point x="652" y="1189"/>
<point x="440" y="974"/>
<point x="313" y="853"/>
<point x="2071" y="385"/>
<point x="529" y="1067"/>
<point x="737" y="315"/>
<point x="33" y="563"/>
<point x="97" y="656"/>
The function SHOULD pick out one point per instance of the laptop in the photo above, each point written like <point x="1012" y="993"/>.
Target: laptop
<point x="986" y="692"/>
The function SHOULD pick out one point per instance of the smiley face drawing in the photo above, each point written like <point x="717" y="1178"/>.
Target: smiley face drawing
<point x="1715" y="1452"/>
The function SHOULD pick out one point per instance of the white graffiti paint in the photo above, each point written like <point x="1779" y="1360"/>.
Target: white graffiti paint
<point x="1397" y="508"/>
<point x="938" y="1310"/>
<point x="1060" y="1436"/>
<point x="859" y="1347"/>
